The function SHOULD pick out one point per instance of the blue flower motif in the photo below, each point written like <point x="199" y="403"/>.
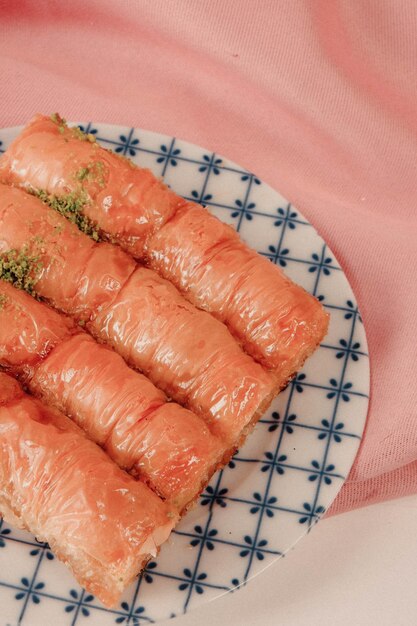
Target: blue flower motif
<point x="329" y="468"/>
<point x="246" y="210"/>
<point x="147" y="573"/>
<point x="288" y="427"/>
<point x="254" y="178"/>
<point x="79" y="600"/>
<point x="349" y="314"/>
<point x="45" y="547"/>
<point x="198" y="587"/>
<point x="343" y="391"/>
<point x="280" y="256"/>
<point x="267" y="505"/>
<point x="239" y="204"/>
<point x="132" y="616"/>
<point x="257" y="548"/>
<point x="297" y="382"/>
<point x="205" y="541"/>
<point x="317" y="263"/>
<point x="352" y="350"/>
<point x="128" y="147"/>
<point x="167" y="156"/>
<point x="4" y="533"/>
<point x="275" y="416"/>
<point x="214" y="165"/>
<point x="316" y="466"/>
<point x="331" y="432"/>
<point x="285" y="215"/>
<point x="203" y="199"/>
<point x="30" y="591"/>
<point x="270" y="462"/>
<point x="310" y="513"/>
<point x="87" y="129"/>
<point x="210" y="495"/>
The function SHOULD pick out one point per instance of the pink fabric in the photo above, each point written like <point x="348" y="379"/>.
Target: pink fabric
<point x="318" y="98"/>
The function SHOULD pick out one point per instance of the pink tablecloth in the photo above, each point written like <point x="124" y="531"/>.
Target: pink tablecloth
<point x="318" y="97"/>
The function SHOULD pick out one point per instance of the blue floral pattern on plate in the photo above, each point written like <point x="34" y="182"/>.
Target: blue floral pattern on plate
<point x="289" y="471"/>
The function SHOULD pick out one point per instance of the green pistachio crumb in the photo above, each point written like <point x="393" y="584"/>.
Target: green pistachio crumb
<point x="21" y="269"/>
<point x="77" y="133"/>
<point x="56" y="118"/>
<point x="93" y="172"/>
<point x="99" y="165"/>
<point x="3" y="300"/>
<point x="81" y="323"/>
<point x="82" y="173"/>
<point x="59" y="121"/>
<point x="71" y="206"/>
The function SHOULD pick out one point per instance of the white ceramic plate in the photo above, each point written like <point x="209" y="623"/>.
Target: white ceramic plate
<point x="291" y="468"/>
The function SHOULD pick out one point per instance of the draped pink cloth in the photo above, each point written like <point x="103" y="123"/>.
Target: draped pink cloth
<point x="318" y="97"/>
